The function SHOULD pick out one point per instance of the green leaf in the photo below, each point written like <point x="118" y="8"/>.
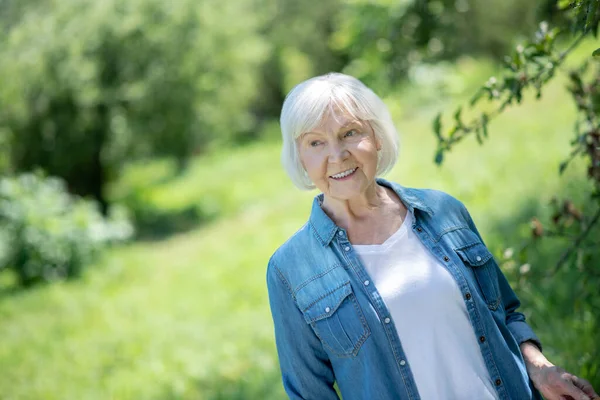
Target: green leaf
<point x="538" y="89"/>
<point x="519" y="94"/>
<point x="478" y="136"/>
<point x="565" y="4"/>
<point x="562" y="167"/>
<point x="591" y="14"/>
<point x="457" y="116"/>
<point x="596" y="52"/>
<point x="580" y="16"/>
<point x="484" y="124"/>
<point x="437" y="126"/>
<point x="439" y="157"/>
<point x="452" y="132"/>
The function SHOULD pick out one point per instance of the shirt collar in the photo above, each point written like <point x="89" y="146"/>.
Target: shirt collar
<point x="325" y="229"/>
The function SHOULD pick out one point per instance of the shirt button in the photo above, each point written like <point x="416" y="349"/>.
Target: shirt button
<point x="498" y="382"/>
<point x="482" y="339"/>
<point x="387" y="320"/>
<point x="402" y="362"/>
<point x="340" y="233"/>
<point x="347" y="248"/>
<point x="367" y="283"/>
<point x="478" y="258"/>
<point x="468" y="296"/>
<point x="419" y="229"/>
<point x="446" y="258"/>
<point x="327" y="309"/>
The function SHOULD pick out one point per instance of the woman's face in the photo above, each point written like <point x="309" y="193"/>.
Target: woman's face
<point x="340" y="156"/>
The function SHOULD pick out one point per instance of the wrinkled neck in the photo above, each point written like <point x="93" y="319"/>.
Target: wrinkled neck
<point x="361" y="208"/>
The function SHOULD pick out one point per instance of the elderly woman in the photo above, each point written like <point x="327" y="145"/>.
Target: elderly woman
<point x="386" y="290"/>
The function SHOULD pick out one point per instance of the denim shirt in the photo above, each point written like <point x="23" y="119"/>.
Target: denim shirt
<point x="331" y="325"/>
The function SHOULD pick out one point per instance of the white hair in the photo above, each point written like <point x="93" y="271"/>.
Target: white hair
<point x="305" y="106"/>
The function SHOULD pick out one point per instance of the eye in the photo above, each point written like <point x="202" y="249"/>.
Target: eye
<point x="315" y="143"/>
<point x="350" y="133"/>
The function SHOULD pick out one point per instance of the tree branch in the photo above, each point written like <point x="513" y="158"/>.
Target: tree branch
<point x="577" y="242"/>
<point x="476" y="122"/>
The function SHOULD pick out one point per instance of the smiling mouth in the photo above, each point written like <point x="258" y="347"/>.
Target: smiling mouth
<point x="344" y="175"/>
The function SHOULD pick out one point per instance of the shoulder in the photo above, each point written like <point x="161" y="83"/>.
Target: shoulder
<point x="301" y="259"/>
<point x="440" y="211"/>
<point x="439" y="200"/>
<point x="448" y="213"/>
<point x="291" y="253"/>
<point x="291" y="248"/>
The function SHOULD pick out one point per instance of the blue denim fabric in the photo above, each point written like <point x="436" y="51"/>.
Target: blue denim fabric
<point x="330" y="326"/>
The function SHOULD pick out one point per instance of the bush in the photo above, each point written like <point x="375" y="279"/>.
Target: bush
<point x="154" y="221"/>
<point x="87" y="86"/>
<point x="48" y="234"/>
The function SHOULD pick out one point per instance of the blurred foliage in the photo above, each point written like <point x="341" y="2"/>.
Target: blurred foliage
<point x="384" y="39"/>
<point x="89" y="85"/>
<point x="299" y="38"/>
<point x="571" y="278"/>
<point x="558" y="278"/>
<point x="46" y="234"/>
<point x="154" y="222"/>
<point x="163" y="202"/>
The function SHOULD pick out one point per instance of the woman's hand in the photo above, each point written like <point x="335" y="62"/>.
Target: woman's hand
<point x="554" y="382"/>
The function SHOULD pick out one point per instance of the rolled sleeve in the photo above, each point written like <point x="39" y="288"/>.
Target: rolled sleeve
<point x="523" y="333"/>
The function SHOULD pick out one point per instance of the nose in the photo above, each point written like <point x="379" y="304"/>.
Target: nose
<point x="337" y="152"/>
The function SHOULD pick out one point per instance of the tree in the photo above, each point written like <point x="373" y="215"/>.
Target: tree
<point x="300" y="48"/>
<point x="89" y="85"/>
<point x="529" y="68"/>
<point x="384" y="39"/>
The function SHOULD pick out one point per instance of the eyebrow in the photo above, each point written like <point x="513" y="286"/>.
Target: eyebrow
<point x="347" y="124"/>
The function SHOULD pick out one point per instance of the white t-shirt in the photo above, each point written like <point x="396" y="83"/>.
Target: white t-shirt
<point x="430" y="316"/>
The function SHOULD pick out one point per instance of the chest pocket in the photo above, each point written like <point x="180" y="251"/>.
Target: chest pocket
<point x="481" y="261"/>
<point x="337" y="320"/>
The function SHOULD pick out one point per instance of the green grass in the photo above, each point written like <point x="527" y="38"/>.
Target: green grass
<point x="188" y="317"/>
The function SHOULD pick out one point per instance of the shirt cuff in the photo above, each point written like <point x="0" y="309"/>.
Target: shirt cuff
<point x="522" y="332"/>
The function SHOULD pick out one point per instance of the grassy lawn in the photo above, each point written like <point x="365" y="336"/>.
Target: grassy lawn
<point x="187" y="317"/>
